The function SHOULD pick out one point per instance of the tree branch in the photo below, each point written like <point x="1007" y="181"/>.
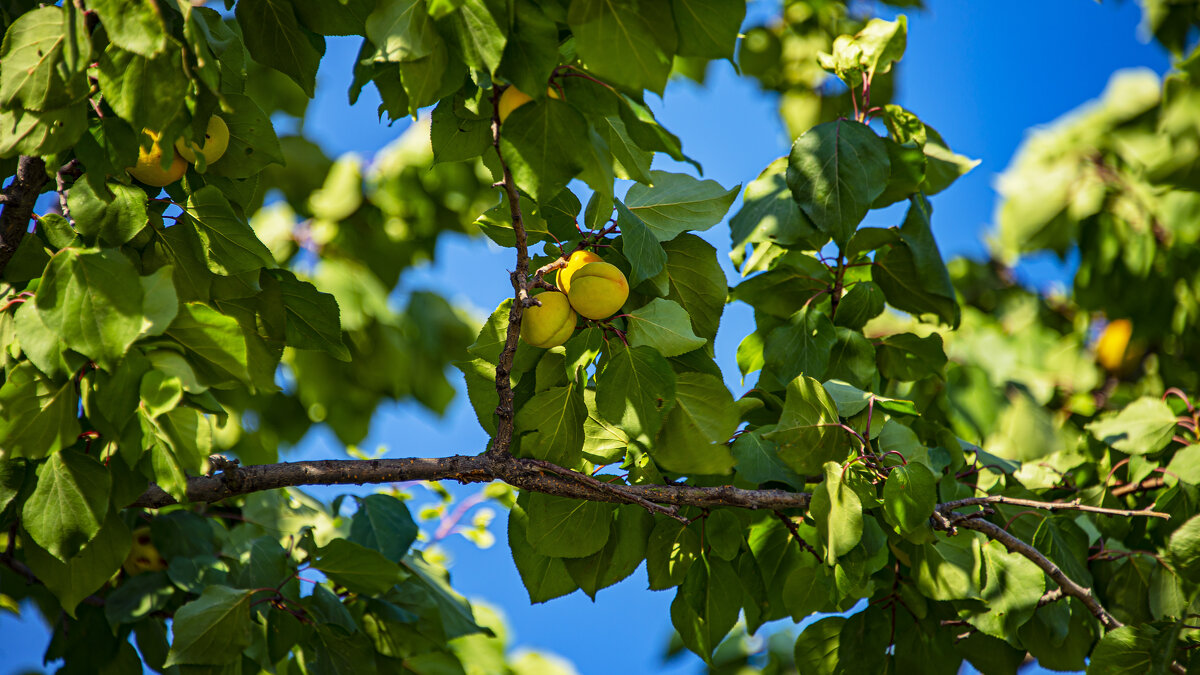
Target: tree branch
<point x="19" y="198"/>
<point x="526" y="474"/>
<point x="1048" y="506"/>
<point x="1015" y="545"/>
<point x="505" y="411"/>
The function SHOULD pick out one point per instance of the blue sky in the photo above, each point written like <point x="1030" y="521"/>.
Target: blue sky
<point x="981" y="73"/>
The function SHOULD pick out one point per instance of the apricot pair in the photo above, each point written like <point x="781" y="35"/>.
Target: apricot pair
<point x="591" y="287"/>
<point x="149" y="167"/>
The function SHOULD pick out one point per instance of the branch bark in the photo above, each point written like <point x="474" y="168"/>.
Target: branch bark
<point x="526" y="474"/>
<point x="19" y="198"/>
<point x="505" y="411"/>
<point x="1049" y="506"/>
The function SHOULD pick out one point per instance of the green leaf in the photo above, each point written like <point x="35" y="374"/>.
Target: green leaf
<point x="1184" y="547"/>
<point x="708" y="28"/>
<point x="545" y="577"/>
<point x="456" y="134"/>
<point x="134" y="26"/>
<point x="695" y="434"/>
<point x="802" y="346"/>
<point x="358" y="568"/>
<point x="1065" y="543"/>
<point x="852" y="358"/>
<point x="603" y="442"/>
<point x="567" y="528"/>
<point x="40" y="417"/>
<point x="112" y="219"/>
<point x="706" y="606"/>
<point x="401" y="29"/>
<point x="835" y="171"/>
<point x="676" y="203"/>
<point x="160" y="392"/>
<point x="279" y="41"/>
<point x="477" y="35"/>
<point x="807" y="432"/>
<point x="757" y="460"/>
<point x="215" y="339"/>
<point x="665" y="326"/>
<point x="621" y="555"/>
<point x="1131" y="649"/>
<point x="908" y="357"/>
<point x="45" y="53"/>
<point x="138" y="597"/>
<point x="212" y="629"/>
<point x="769" y="214"/>
<point x="311" y="317"/>
<point x="912" y="275"/>
<point x="531" y="52"/>
<point x="252" y="140"/>
<point x="85" y="573"/>
<point x="620" y="44"/>
<point x="817" y="647"/>
<point x="383" y="523"/>
<point x="69" y="503"/>
<point x="863" y="302"/>
<point x="146" y="92"/>
<point x="539" y="142"/>
<point x="230" y="246"/>
<point x="942" y="165"/>
<point x="909" y="496"/>
<point x="93" y="300"/>
<point x="551" y="424"/>
<point x="838" y="513"/>
<point x="696" y="282"/>
<point x="25" y="132"/>
<point x="12" y="477"/>
<point x="342" y="193"/>
<point x="645" y="254"/>
<point x="949" y="568"/>
<point x="635" y="390"/>
<point x="1014" y="586"/>
<point x="807" y="588"/>
<point x="1142" y="428"/>
<point x="672" y="549"/>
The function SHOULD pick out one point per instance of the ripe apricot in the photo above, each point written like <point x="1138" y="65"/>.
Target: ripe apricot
<point x="577" y="260"/>
<point x="514" y="98"/>
<point x="216" y="141"/>
<point x="149" y="167"/>
<point x="598" y="290"/>
<point x="551" y="324"/>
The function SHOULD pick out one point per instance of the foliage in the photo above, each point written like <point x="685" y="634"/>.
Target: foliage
<point x="965" y="468"/>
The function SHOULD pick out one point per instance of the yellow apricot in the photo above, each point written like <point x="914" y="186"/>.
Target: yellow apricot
<point x="514" y="98"/>
<point x="143" y="557"/>
<point x="577" y="260"/>
<point x="550" y="324"/>
<point x="149" y="167"/>
<point x="1110" y="348"/>
<point x="598" y="290"/>
<point x="216" y="141"/>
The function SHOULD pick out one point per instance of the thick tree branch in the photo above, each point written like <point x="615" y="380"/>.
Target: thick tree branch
<point x="526" y="474"/>
<point x="19" y="198"/>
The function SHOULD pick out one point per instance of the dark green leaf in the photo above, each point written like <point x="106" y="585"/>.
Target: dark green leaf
<point x="909" y="496"/>
<point x="545" y="577"/>
<point x="620" y="44"/>
<point x="112" y="219"/>
<point x="635" y="390"/>
<point x="358" y="568"/>
<point x="552" y="425"/>
<point x="835" y="171"/>
<point x="539" y="142"/>
<point x="383" y="523"/>
<point x="84" y="574"/>
<point x="279" y="41"/>
<point x="707" y="605"/>
<point x="800" y="347"/>
<point x="212" y="629"/>
<point x="708" y="28"/>
<point x="567" y="528"/>
<point x="146" y="92"/>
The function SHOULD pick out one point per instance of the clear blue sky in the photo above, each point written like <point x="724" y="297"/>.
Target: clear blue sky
<point x="981" y="73"/>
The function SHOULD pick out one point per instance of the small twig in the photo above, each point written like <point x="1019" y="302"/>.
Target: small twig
<point x="791" y="526"/>
<point x="1152" y="483"/>
<point x="1049" y="506"/>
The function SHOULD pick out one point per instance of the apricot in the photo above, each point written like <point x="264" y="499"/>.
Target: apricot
<point x="598" y="290"/>
<point x="216" y="141"/>
<point x="551" y="324"/>
<point x="1113" y="342"/>
<point x="144" y="556"/>
<point x="149" y="167"/>
<point x="514" y="98"/>
<point x="577" y="260"/>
